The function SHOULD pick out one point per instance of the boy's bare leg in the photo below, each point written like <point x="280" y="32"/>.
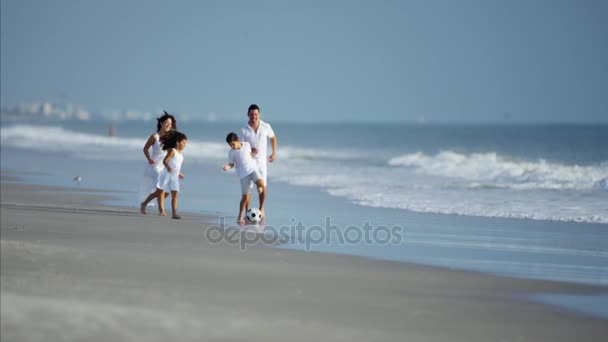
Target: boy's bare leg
<point x="244" y="201"/>
<point x="262" y="193"/>
<point x="144" y="204"/>
<point x="174" y="195"/>
<point x="248" y="204"/>
<point x="161" y="202"/>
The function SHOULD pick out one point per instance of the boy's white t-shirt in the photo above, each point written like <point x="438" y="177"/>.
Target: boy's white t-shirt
<point x="242" y="160"/>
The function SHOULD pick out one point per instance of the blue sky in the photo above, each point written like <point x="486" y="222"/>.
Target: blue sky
<point x="399" y="60"/>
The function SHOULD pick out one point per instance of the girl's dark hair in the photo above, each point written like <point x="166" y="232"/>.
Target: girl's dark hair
<point x="231" y="137"/>
<point x="159" y="121"/>
<point x="172" y="138"/>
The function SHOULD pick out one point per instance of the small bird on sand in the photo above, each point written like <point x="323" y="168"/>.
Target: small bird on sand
<point x="77" y="179"/>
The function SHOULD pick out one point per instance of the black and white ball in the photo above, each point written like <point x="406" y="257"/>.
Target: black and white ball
<point x="254" y="215"/>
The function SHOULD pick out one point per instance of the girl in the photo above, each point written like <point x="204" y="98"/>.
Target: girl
<point x="164" y="125"/>
<point x="174" y="144"/>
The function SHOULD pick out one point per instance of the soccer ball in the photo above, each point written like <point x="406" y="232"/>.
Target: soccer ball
<point x="254" y="215"/>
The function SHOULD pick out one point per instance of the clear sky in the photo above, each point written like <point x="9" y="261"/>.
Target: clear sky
<point x="392" y="60"/>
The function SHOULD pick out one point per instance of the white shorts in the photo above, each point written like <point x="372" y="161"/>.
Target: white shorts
<point x="249" y="179"/>
<point x="263" y="176"/>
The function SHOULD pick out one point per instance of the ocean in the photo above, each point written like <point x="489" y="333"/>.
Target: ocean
<point x="517" y="200"/>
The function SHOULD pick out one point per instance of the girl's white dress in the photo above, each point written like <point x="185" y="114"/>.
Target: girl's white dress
<point x="169" y="181"/>
<point x="152" y="172"/>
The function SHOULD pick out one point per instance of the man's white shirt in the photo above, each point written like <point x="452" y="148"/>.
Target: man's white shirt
<point x="259" y="141"/>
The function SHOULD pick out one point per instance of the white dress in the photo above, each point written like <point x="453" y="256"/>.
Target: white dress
<point x="152" y="172"/>
<point x="169" y="181"/>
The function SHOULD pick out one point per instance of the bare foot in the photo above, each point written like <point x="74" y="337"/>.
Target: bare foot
<point x="263" y="213"/>
<point x="176" y="217"/>
<point x="240" y="221"/>
<point x="162" y="213"/>
<point x="142" y="208"/>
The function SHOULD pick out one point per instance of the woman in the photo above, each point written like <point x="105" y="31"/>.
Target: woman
<point x="165" y="124"/>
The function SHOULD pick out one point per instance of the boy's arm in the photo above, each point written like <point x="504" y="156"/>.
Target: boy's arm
<point x="167" y="158"/>
<point x="230" y="164"/>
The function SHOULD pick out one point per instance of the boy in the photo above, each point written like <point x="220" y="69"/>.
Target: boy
<point x="240" y="156"/>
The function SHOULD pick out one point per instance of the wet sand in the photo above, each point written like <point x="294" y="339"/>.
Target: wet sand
<point x="73" y="269"/>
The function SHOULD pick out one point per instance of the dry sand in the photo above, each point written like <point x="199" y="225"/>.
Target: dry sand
<point x="75" y="270"/>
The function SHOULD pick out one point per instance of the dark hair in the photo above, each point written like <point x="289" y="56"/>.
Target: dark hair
<point x="172" y="138"/>
<point x="252" y="107"/>
<point x="159" y="121"/>
<point x="232" y="137"/>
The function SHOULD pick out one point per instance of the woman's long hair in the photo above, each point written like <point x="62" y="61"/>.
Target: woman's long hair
<point x="162" y="119"/>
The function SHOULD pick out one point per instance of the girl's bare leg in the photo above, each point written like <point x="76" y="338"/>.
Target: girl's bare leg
<point x="161" y="202"/>
<point x="174" y="195"/>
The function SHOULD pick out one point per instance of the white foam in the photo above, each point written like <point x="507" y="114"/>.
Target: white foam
<point x="296" y="153"/>
<point x="95" y="146"/>
<point x="575" y="200"/>
<point x="57" y="139"/>
<point x="481" y="184"/>
<point x="492" y="170"/>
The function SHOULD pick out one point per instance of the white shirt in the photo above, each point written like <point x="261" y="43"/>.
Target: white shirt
<point x="259" y="140"/>
<point x="242" y="160"/>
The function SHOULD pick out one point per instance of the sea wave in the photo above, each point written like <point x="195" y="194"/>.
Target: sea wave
<point x="95" y="146"/>
<point x="490" y="170"/>
<point x="476" y="184"/>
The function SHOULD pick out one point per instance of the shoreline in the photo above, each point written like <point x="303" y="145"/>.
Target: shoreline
<point x="109" y="198"/>
<point x="133" y="277"/>
<point x="417" y="221"/>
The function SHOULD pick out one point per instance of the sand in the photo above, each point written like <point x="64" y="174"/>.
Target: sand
<point x="73" y="269"/>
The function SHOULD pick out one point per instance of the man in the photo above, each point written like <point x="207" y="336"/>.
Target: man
<point x="257" y="133"/>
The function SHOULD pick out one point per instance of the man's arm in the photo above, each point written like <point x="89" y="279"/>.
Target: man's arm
<point x="273" y="155"/>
